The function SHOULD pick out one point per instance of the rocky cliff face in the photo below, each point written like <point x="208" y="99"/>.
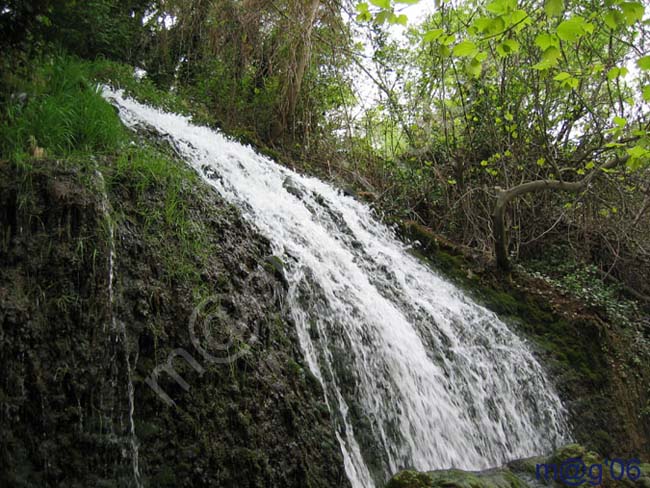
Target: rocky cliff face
<point x="106" y="277"/>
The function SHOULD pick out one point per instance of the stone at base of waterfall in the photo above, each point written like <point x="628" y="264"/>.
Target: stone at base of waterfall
<point x="455" y="478"/>
<point x="521" y="473"/>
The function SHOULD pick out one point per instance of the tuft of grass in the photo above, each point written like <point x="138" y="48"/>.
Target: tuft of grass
<point x="56" y="107"/>
<point x="147" y="172"/>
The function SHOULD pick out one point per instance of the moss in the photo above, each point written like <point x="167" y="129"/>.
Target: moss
<point x="410" y="479"/>
<point x="498" y="478"/>
<point x="518" y="474"/>
<point x="241" y="424"/>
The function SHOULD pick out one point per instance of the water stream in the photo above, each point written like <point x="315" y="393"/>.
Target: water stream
<point x="415" y="373"/>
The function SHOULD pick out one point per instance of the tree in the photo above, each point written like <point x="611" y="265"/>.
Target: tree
<point x="528" y="97"/>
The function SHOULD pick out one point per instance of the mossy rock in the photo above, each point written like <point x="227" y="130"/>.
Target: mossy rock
<point x="496" y="478"/>
<point x="455" y="478"/>
<point x="410" y="479"/>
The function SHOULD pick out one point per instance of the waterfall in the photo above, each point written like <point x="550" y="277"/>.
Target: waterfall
<point x="117" y="326"/>
<point x="415" y="373"/>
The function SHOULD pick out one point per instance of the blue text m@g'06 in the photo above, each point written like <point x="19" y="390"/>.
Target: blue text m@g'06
<point x="574" y="472"/>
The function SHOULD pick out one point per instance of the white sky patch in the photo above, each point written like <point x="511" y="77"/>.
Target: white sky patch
<point x="166" y="20"/>
<point x="367" y="93"/>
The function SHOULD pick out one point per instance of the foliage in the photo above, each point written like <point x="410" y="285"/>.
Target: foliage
<point x="586" y="283"/>
<point x="488" y="95"/>
<point x="271" y="68"/>
<point x="111" y="28"/>
<point x="121" y="76"/>
<point x="58" y="108"/>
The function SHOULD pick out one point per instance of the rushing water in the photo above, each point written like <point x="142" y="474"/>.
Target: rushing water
<point x="415" y="373"/>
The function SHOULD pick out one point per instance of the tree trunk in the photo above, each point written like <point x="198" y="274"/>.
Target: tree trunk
<point x="504" y="197"/>
<point x="300" y="60"/>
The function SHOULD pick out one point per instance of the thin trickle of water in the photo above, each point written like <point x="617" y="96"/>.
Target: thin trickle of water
<point x="119" y="327"/>
<point x="104" y="206"/>
<point x="415" y="373"/>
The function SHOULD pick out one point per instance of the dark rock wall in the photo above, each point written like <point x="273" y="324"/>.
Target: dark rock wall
<point x="69" y="351"/>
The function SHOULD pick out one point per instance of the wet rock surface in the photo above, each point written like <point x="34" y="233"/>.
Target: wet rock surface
<point x="571" y="465"/>
<point x="74" y="339"/>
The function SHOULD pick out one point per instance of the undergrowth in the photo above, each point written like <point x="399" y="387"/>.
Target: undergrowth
<point x="53" y="105"/>
<point x="584" y="282"/>
<point x="54" y="118"/>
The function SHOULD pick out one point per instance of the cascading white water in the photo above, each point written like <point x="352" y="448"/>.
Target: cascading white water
<point x="415" y="373"/>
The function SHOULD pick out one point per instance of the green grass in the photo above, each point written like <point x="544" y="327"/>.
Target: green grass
<point x="147" y="173"/>
<point x="63" y="113"/>
<point x="55" y="103"/>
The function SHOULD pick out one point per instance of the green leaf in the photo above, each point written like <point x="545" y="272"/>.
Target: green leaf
<point x="385" y="4"/>
<point x="554" y="8"/>
<point x="613" y="73"/>
<point x="508" y="47"/>
<point x="646" y="93"/>
<point x="562" y="76"/>
<point x="519" y="18"/>
<point x="643" y="63"/>
<point x="572" y="83"/>
<point x="544" y="41"/>
<point x="448" y="40"/>
<point x="570" y="30"/>
<point x="408" y="2"/>
<point x="364" y="17"/>
<point x="590" y="165"/>
<point x="637" y="151"/>
<point x="398" y="19"/>
<point x="638" y="157"/>
<point x="613" y="19"/>
<point x="465" y="49"/>
<point x="633" y="11"/>
<point x="482" y="24"/>
<point x="382" y="17"/>
<point x="501" y="7"/>
<point x="620" y="121"/>
<point x="43" y="19"/>
<point x="474" y="68"/>
<point x="432" y="35"/>
<point x="549" y="58"/>
<point x="480" y="57"/>
<point x="362" y="7"/>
